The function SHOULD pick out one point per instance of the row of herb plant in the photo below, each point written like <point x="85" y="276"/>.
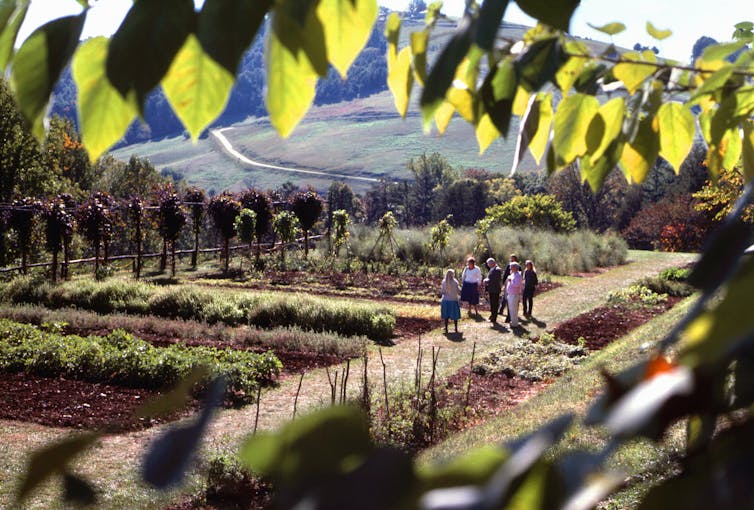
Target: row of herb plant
<point x="284" y="338"/>
<point x="264" y="310"/>
<point x="121" y="359"/>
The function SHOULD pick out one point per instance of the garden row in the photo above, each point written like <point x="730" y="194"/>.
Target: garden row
<point x="123" y="360"/>
<point x="263" y="310"/>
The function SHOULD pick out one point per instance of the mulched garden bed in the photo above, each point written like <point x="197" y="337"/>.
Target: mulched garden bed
<point x="602" y="325"/>
<point x="59" y="402"/>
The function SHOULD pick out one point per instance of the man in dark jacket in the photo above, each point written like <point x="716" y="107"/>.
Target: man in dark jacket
<point x="494" y="282"/>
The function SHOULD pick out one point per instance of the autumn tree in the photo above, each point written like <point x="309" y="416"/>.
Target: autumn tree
<point x="223" y="209"/>
<point x="23" y="218"/>
<point x="286" y="225"/>
<point x="58" y="229"/>
<point x="136" y="217"/>
<point x="94" y="220"/>
<point x="245" y="226"/>
<point x="307" y="206"/>
<point x="260" y="203"/>
<point x="173" y="218"/>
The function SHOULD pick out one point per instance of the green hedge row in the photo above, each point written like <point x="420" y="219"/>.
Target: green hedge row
<point x="263" y="310"/>
<point x="121" y="359"/>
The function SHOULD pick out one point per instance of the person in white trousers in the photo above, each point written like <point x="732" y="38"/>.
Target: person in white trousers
<point x="514" y="286"/>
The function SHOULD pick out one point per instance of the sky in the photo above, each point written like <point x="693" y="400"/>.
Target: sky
<point x="688" y="19"/>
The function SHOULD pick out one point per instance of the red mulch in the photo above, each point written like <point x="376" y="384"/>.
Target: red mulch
<point x="59" y="402"/>
<point x="602" y="325"/>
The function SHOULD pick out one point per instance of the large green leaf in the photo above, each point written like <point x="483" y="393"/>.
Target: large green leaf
<point x="347" y="26"/>
<point x="657" y="33"/>
<point x="605" y="128"/>
<point x="444" y="70"/>
<point x="571" y="125"/>
<point x="197" y="87"/>
<point x="38" y="64"/>
<point x="497" y="93"/>
<point x="12" y="15"/>
<point x="291" y="76"/>
<point x="677" y="128"/>
<point x="641" y="151"/>
<point x="52" y="459"/>
<point x="574" y="66"/>
<point x="104" y="115"/>
<point x="635" y="68"/>
<point x="713" y="83"/>
<point x="556" y="13"/>
<point x="613" y="28"/>
<point x="225" y="28"/>
<point x="145" y="44"/>
<point x="595" y="172"/>
<point x="721" y="52"/>
<point x="310" y="447"/>
<point x="490" y="15"/>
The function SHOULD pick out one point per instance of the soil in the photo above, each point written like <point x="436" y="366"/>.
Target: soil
<point x="602" y="325"/>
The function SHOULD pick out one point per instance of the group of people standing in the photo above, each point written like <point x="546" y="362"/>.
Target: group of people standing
<point x="511" y="283"/>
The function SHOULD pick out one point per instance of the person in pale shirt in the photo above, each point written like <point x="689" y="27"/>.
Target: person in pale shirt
<point x="451" y="292"/>
<point x="471" y="283"/>
<point x="514" y="286"/>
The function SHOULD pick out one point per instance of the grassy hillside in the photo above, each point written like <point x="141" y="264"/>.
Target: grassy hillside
<point x="364" y="137"/>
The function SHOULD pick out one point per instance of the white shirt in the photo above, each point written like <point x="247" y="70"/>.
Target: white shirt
<point x="472" y="275"/>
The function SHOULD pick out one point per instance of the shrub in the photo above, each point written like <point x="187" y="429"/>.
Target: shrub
<point x="122" y="359"/>
<point x="671" y="224"/>
<point x="636" y="294"/>
<point x="534" y="211"/>
<point x="660" y="285"/>
<point x="676" y="274"/>
<point x="183" y="302"/>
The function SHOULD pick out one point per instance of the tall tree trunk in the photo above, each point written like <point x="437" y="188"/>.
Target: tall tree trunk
<point x="164" y="256"/>
<point x="259" y="251"/>
<point x="24" y="261"/>
<point x="227" y="253"/>
<point x="96" y="258"/>
<point x="172" y="258"/>
<point x="195" y="254"/>
<point x="66" y="258"/>
<point x="138" y="250"/>
<point x="306" y="243"/>
<point x="54" y="266"/>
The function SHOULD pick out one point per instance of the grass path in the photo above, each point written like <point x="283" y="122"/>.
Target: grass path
<point x="114" y="461"/>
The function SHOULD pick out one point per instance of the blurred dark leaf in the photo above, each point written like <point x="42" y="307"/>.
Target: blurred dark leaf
<point x="143" y="47"/>
<point x="556" y="13"/>
<point x="170" y="454"/>
<point x="78" y="491"/>
<point x="444" y="70"/>
<point x="539" y="63"/>
<point x="490" y="17"/>
<point x="498" y="92"/>
<point x="226" y="28"/>
<point x="310" y="448"/>
<point x="176" y="398"/>
<point x="719" y="254"/>
<point x="52" y="459"/>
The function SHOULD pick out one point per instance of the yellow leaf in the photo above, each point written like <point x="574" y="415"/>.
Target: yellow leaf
<point x="538" y="143"/>
<point x="347" y="25"/>
<point x="443" y="114"/>
<point x="486" y="133"/>
<point x="571" y="124"/>
<point x="197" y="87"/>
<point x="419" y="42"/>
<point x="639" y="154"/>
<point x="633" y="73"/>
<point x="677" y="128"/>
<point x="520" y="102"/>
<point x="748" y="150"/>
<point x="400" y="80"/>
<point x="104" y="115"/>
<point x="463" y="102"/>
<point x="291" y="76"/>
<point x="610" y="117"/>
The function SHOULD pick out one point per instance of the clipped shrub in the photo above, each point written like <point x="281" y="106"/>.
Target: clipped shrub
<point x="182" y="302"/>
<point x="636" y="294"/>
